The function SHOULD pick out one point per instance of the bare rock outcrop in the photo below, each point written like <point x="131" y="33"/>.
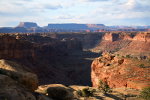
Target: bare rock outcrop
<point x="16" y="83"/>
<point x="19" y="73"/>
<point x="120" y="72"/>
<point x="11" y="90"/>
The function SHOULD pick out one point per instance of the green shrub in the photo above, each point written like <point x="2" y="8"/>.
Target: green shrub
<point x="128" y="56"/>
<point x="86" y="92"/>
<point x="145" y="93"/>
<point x="142" y="65"/>
<point x="118" y="55"/>
<point x="104" y="87"/>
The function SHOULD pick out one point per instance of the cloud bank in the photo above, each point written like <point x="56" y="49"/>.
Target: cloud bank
<point x="109" y="12"/>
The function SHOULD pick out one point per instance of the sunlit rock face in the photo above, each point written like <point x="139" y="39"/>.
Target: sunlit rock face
<point x="112" y="42"/>
<point x="142" y="37"/>
<point x="120" y="72"/>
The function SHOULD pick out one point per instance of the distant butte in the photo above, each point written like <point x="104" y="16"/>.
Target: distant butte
<point x="27" y="24"/>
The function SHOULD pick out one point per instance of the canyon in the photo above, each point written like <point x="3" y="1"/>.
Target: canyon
<point x="54" y="60"/>
<point x="120" y="59"/>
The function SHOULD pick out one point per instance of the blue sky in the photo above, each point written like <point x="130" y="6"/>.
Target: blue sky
<point x="108" y="12"/>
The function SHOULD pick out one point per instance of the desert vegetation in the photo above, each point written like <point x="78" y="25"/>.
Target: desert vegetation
<point x="145" y="93"/>
<point x="104" y="87"/>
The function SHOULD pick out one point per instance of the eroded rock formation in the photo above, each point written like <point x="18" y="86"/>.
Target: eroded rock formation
<point x="112" y="42"/>
<point x="120" y="72"/>
<point x="51" y="59"/>
<point x="10" y="48"/>
<point x="139" y="47"/>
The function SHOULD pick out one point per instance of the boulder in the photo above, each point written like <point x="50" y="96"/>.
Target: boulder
<point x="56" y="91"/>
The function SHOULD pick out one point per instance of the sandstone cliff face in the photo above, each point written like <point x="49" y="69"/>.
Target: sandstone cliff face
<point x="88" y="40"/>
<point x="142" y="37"/>
<point x="53" y="60"/>
<point x="139" y="47"/>
<point x="111" y="37"/>
<point x="13" y="48"/>
<point x="112" y="42"/>
<point x="120" y="72"/>
<point x="27" y="24"/>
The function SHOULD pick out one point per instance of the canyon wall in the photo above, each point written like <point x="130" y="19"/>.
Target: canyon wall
<point x="88" y="40"/>
<point x="112" y="42"/>
<point x="53" y="60"/>
<point x="120" y="72"/>
<point x="128" y="66"/>
<point x="11" y="48"/>
<point x="139" y="47"/>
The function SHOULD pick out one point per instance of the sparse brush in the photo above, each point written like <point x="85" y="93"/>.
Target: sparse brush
<point x="142" y="65"/>
<point x="104" y="87"/>
<point x="145" y="93"/>
<point x="86" y="92"/>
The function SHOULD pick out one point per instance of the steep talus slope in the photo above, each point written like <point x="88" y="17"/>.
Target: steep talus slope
<point x="112" y="42"/>
<point x="139" y="47"/>
<point x="120" y="72"/>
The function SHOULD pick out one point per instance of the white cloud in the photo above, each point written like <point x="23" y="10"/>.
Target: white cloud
<point x="92" y="0"/>
<point x="16" y="7"/>
<point x="135" y="5"/>
<point x="80" y="11"/>
<point x="64" y="17"/>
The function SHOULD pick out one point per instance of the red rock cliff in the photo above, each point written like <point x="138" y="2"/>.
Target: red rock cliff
<point x="120" y="72"/>
<point x="112" y="42"/>
<point x="10" y="48"/>
<point x="140" y="46"/>
<point x="53" y="60"/>
<point x="142" y="37"/>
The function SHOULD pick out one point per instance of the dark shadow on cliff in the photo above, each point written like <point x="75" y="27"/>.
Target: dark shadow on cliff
<point x="53" y="60"/>
<point x="71" y="68"/>
<point x="68" y="68"/>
